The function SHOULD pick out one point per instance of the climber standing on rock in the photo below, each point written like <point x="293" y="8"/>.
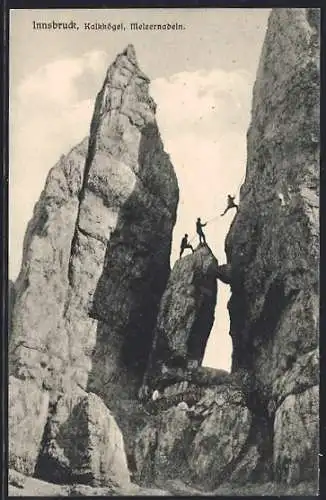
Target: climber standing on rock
<point x="199" y="230"/>
<point x="230" y="204"/>
<point x="185" y="244"/>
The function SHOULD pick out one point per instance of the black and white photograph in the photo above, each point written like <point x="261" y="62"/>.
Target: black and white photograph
<point x="163" y="252"/>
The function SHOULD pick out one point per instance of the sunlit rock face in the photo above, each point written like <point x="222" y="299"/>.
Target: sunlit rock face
<point x="39" y="347"/>
<point x="121" y="246"/>
<point x="95" y="265"/>
<point x="273" y="244"/>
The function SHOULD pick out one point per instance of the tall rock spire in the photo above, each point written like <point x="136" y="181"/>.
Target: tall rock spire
<point x="96" y="258"/>
<point x="273" y="245"/>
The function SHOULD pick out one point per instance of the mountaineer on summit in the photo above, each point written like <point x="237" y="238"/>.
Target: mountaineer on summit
<point x="230" y="204"/>
<point x="199" y="230"/>
<point x="185" y="244"/>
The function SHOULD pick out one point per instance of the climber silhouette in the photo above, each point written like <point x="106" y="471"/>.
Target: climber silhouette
<point x="199" y="230"/>
<point x="185" y="244"/>
<point x="230" y="204"/>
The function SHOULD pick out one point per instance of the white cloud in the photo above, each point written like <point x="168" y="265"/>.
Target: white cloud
<point x="55" y="83"/>
<point x="203" y="117"/>
<point x="205" y="103"/>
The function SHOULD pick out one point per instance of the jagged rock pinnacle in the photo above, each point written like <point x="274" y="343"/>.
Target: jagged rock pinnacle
<point x="130" y="52"/>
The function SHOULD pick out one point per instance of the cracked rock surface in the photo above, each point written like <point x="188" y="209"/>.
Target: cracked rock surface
<point x="198" y="443"/>
<point x="186" y="315"/>
<point x="95" y="265"/>
<point x="273" y="243"/>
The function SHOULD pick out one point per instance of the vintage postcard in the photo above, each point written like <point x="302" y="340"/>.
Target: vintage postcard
<point x="164" y="251"/>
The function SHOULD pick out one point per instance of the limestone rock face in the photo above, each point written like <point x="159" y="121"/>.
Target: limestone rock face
<point x="296" y="427"/>
<point x="28" y="410"/>
<point x="161" y="449"/>
<point x="221" y="437"/>
<point x="58" y="461"/>
<point x="121" y="247"/>
<point x="200" y="444"/>
<point x="39" y="345"/>
<point x="11" y="303"/>
<point x="83" y="444"/>
<point x="186" y="314"/>
<point x="101" y="229"/>
<point x="95" y="265"/>
<point x="273" y="243"/>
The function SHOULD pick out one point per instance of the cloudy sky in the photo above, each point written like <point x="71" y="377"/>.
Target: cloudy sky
<point x="202" y="79"/>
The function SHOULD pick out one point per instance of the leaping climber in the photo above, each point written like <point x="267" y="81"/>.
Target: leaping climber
<point x="185" y="244"/>
<point x="199" y="230"/>
<point x="230" y="204"/>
